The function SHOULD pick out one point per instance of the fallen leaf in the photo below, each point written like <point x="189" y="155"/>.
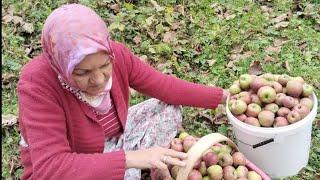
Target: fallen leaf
<point x="318" y="126"/>
<point x="281" y="24"/>
<point x="7" y="78"/>
<point x="17" y="20"/>
<point x="286" y="65"/>
<point x="280" y="18"/>
<point x="279" y="41"/>
<point x="211" y="62"/>
<point x="317" y="27"/>
<point x="272" y="49"/>
<point x="144" y="58"/>
<point x="28" y="27"/>
<point x="268" y="59"/>
<point x="180" y="9"/>
<point x="8" y="120"/>
<point x="228" y="16"/>
<point x="247" y="54"/>
<point x="115" y="7"/>
<point x="168" y="37"/>
<point x="156" y="5"/>
<point x="255" y="68"/>
<point x="137" y="39"/>
<point x="237" y="48"/>
<point x="303" y="46"/>
<point x="266" y="9"/>
<point x="175" y="25"/>
<point x="7" y="18"/>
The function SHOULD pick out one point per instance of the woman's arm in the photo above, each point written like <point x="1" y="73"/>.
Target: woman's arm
<point x="170" y="89"/>
<point x="43" y="122"/>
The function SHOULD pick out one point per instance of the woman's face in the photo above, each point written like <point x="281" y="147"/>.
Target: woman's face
<point x="92" y="74"/>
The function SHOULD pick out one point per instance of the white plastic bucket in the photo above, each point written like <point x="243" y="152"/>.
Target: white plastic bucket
<point x="286" y="149"/>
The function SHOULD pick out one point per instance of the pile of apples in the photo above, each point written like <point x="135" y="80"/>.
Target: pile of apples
<point x="219" y="162"/>
<point x="270" y="100"/>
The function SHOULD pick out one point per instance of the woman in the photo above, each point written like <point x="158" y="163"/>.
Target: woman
<point x="73" y="105"/>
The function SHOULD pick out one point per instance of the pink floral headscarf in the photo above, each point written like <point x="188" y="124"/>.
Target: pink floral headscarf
<point x="69" y="34"/>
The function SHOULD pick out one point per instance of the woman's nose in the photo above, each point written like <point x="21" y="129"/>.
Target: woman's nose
<point x="97" y="78"/>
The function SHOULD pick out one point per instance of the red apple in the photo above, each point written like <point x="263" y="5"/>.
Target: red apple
<point x="215" y="172"/>
<point x="288" y="102"/>
<point x="210" y="158"/>
<point x="197" y="164"/>
<point x="279" y="98"/>
<point x="176" y="144"/>
<point x="255" y="99"/>
<point x="238" y="107"/>
<point x="276" y="86"/>
<point x="252" y="121"/>
<point x="283" y="112"/>
<point x="307" y="90"/>
<point x="280" y="121"/>
<point x="267" y="94"/>
<point x="293" y="117"/>
<point x="238" y="159"/>
<point x="245" y="81"/>
<point x="194" y="175"/>
<point x="302" y="110"/>
<point x="273" y="107"/>
<point x="294" y="88"/>
<point x="307" y="102"/>
<point x="299" y="79"/>
<point x="188" y="142"/>
<point x="257" y="83"/>
<point x="241" y="117"/>
<point x="244" y="96"/>
<point x="229" y="173"/>
<point x="253" y="110"/>
<point x="266" y="118"/>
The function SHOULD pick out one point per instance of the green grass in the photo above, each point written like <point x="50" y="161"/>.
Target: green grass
<point x="200" y="37"/>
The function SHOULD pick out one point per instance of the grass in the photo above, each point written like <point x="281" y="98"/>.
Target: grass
<point x="209" y="42"/>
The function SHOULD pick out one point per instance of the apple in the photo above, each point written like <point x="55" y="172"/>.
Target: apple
<point x="231" y="101"/>
<point x="252" y="121"/>
<point x="283" y="79"/>
<point x="182" y="135"/>
<point x="226" y="160"/>
<point x="203" y="168"/>
<point x="241" y="117"/>
<point x="294" y="88"/>
<point x="238" y="159"/>
<point x="266" y="118"/>
<point x="225" y="149"/>
<point x="245" y="81"/>
<point x="302" y="110"/>
<point x="257" y="83"/>
<point x="242" y="171"/>
<point x="229" y="173"/>
<point x="280" y="121"/>
<point x="197" y="164"/>
<point x="267" y="94"/>
<point x="252" y="175"/>
<point x="176" y="144"/>
<point x="307" y="90"/>
<point x="288" y="102"/>
<point x="296" y="101"/>
<point x="284" y="90"/>
<point x="253" y="110"/>
<point x="276" y="86"/>
<point x="194" y="175"/>
<point x="238" y="107"/>
<point x="210" y="158"/>
<point x="188" y="142"/>
<point x="215" y="172"/>
<point x="244" y="96"/>
<point x="293" y="117"/>
<point x="268" y="76"/>
<point x="234" y="89"/>
<point x="205" y="178"/>
<point x="307" y="102"/>
<point x="299" y="79"/>
<point x="216" y="149"/>
<point x="255" y="99"/>
<point x="273" y="107"/>
<point x="283" y="111"/>
<point x="174" y="172"/>
<point x="279" y="98"/>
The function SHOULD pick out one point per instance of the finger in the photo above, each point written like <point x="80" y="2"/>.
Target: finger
<point x="175" y="161"/>
<point x="161" y="166"/>
<point x="176" y="154"/>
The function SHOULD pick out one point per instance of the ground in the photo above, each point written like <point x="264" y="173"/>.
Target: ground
<point x="208" y="42"/>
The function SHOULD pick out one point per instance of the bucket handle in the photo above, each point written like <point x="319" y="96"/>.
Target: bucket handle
<point x="262" y="143"/>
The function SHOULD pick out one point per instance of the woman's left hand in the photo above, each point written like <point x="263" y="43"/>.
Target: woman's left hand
<point x="224" y="96"/>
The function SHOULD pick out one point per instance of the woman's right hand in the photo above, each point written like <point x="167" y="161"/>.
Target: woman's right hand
<point x="155" y="157"/>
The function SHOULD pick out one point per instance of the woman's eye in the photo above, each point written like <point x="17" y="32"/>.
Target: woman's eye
<point x="81" y="73"/>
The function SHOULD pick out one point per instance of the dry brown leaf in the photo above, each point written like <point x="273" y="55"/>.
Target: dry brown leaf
<point x="115" y="7"/>
<point x="303" y="46"/>
<point x="137" y="39"/>
<point x="268" y="59"/>
<point x="211" y="62"/>
<point x="17" y="20"/>
<point x="28" y="27"/>
<point x="272" y="49"/>
<point x="317" y="27"/>
<point x="237" y="48"/>
<point x="247" y="54"/>
<point x="169" y="36"/>
<point x="228" y="16"/>
<point x="318" y="126"/>
<point x="255" y="68"/>
<point x="7" y="18"/>
<point x="281" y="24"/>
<point x="175" y="25"/>
<point x="280" y="18"/>
<point x="8" y="120"/>
<point x="7" y="78"/>
<point x="180" y="9"/>
<point x="266" y="9"/>
<point x="279" y="41"/>
<point x="286" y="65"/>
